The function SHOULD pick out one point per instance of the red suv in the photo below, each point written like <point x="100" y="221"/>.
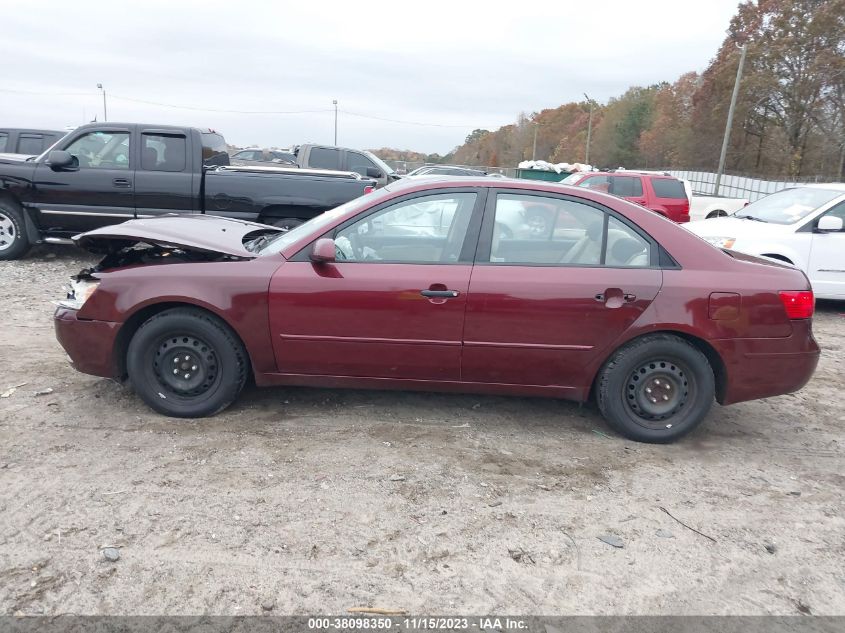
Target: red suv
<point x="662" y="194"/>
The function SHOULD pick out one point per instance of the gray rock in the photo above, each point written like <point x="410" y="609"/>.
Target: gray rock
<point x="493" y="504"/>
<point x="664" y="534"/>
<point x="770" y="547"/>
<point x="111" y="554"/>
<point x="268" y="604"/>
<point x="397" y="478"/>
<point x="613" y="541"/>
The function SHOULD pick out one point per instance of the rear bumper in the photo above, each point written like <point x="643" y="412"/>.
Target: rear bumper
<point x="765" y="367"/>
<point x="89" y="344"/>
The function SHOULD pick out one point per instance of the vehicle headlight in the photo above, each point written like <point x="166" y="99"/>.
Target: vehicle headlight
<point x="721" y="242"/>
<point x="79" y="292"/>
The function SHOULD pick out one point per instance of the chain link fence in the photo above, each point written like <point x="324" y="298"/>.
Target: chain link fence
<point x="737" y="185"/>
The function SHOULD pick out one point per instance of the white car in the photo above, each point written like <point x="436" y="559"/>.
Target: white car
<point x="704" y="207"/>
<point x="802" y="226"/>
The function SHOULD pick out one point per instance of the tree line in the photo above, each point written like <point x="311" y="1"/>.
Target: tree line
<point x="789" y="120"/>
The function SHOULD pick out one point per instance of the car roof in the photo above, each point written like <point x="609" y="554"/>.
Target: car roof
<point x="834" y="186"/>
<point x="627" y="172"/>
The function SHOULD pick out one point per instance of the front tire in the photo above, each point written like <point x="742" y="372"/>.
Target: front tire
<point x="186" y="363"/>
<point x="655" y="389"/>
<point x="286" y="224"/>
<point x="14" y="242"/>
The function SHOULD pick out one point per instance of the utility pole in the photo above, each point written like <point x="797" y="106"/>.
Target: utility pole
<point x="589" y="129"/>
<point x="730" y="120"/>
<point x="334" y="102"/>
<point x="534" y="151"/>
<point x="105" y="111"/>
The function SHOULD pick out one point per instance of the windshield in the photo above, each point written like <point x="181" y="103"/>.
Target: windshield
<point x="282" y="240"/>
<point x="378" y="161"/>
<point x="572" y="179"/>
<point x="788" y="206"/>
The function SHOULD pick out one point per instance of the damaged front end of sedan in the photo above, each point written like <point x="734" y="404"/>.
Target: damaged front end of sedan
<point x="165" y="240"/>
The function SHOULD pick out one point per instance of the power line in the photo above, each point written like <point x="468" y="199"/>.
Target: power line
<point x="270" y="112"/>
<point x="378" y="118"/>
<point x="47" y="94"/>
<point x="184" y="107"/>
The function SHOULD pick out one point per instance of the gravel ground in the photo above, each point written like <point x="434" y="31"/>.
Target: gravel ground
<point x="309" y="501"/>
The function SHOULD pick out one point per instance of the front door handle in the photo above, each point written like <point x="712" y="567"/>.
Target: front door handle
<point x="122" y="182"/>
<point x="443" y="294"/>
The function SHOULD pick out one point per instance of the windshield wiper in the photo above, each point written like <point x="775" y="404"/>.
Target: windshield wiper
<point x="750" y="217"/>
<point x="253" y="246"/>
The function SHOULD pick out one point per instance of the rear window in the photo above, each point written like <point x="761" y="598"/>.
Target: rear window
<point x="214" y="149"/>
<point x="668" y="188"/>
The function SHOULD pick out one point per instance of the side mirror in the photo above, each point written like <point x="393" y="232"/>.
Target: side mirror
<point x="323" y="251"/>
<point x="372" y="172"/>
<point x="60" y="159"/>
<point x="829" y="224"/>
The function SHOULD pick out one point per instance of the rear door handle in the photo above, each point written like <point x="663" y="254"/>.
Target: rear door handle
<point x="445" y="294"/>
<point x="122" y="182"/>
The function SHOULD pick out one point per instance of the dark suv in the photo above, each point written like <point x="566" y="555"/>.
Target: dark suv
<point x="661" y="193"/>
<point x="31" y="142"/>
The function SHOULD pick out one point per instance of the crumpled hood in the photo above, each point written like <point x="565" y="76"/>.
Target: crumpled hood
<point x="203" y="233"/>
<point x="734" y="227"/>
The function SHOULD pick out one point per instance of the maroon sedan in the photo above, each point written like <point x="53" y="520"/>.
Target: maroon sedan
<point x="440" y="284"/>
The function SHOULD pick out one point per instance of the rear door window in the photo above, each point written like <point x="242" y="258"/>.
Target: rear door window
<point x="668" y="188"/>
<point x="31" y="144"/>
<point x="626" y="186"/>
<point x="324" y="158"/>
<point x="4" y="140"/>
<point x="163" y="152"/>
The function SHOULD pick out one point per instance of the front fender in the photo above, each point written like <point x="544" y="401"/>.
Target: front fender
<point x="234" y="291"/>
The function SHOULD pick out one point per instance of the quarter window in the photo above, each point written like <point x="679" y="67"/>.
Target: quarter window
<point x="101" y="150"/>
<point x="668" y="188"/>
<point x="422" y="230"/>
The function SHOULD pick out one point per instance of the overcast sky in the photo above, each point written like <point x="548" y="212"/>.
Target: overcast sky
<point x="454" y="66"/>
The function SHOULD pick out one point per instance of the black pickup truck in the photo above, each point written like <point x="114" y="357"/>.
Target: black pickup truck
<point x="105" y="173"/>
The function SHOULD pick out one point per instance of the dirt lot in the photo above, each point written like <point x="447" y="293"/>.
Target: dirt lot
<point x="316" y="501"/>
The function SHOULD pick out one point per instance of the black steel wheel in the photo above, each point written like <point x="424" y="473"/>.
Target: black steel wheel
<point x="185" y="362"/>
<point x="656" y="388"/>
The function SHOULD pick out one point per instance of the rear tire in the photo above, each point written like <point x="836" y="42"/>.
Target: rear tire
<point x="285" y="223"/>
<point x="14" y="242"/>
<point x="655" y="389"/>
<point x="186" y="363"/>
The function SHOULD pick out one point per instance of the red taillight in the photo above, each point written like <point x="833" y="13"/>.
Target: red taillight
<point x="369" y="189"/>
<point x="799" y="304"/>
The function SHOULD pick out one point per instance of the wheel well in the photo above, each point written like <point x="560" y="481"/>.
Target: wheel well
<point x="778" y="257"/>
<point x="720" y="373"/>
<point x="131" y="325"/>
<point x="718" y="213"/>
